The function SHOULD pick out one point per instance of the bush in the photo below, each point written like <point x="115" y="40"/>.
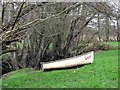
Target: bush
<point x="97" y="46"/>
<point x="103" y="46"/>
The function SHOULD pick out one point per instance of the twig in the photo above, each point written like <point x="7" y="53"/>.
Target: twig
<point x="7" y="34"/>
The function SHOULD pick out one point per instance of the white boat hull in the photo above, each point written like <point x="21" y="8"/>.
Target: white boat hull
<point x="70" y="62"/>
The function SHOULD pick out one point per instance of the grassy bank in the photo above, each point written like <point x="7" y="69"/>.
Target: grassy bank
<point x="102" y="73"/>
<point x="114" y="45"/>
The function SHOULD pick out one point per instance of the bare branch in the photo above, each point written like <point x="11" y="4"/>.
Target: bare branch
<point x="101" y="8"/>
<point x="17" y="15"/>
<point x="8" y="33"/>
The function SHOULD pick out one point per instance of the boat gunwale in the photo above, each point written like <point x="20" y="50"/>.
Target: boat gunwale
<point x="66" y="58"/>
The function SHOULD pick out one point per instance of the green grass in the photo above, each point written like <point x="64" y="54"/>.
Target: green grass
<point x="103" y="73"/>
<point x="113" y="44"/>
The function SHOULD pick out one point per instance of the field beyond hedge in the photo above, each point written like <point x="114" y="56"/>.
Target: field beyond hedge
<point x="103" y="73"/>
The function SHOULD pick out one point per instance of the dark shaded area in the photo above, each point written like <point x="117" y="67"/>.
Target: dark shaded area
<point x="74" y="67"/>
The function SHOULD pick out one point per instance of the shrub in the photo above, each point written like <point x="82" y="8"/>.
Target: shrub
<point x="103" y="46"/>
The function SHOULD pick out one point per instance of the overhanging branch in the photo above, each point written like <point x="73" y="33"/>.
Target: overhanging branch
<point x="8" y="33"/>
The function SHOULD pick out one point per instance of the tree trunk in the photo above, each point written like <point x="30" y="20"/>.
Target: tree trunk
<point x="99" y="27"/>
<point x="1" y="16"/>
<point x="107" y="28"/>
<point x="118" y="29"/>
<point x="14" y="62"/>
<point x="118" y="24"/>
